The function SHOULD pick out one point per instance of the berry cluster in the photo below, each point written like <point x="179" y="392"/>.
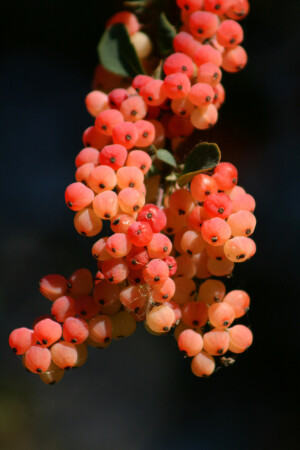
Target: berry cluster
<point x="190" y="93"/>
<point x="142" y="276"/>
<point x="81" y="315"/>
<point x="157" y="264"/>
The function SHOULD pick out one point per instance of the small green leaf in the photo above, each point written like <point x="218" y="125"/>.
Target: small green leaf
<point x="165" y="35"/>
<point x="117" y="53"/>
<point x="166" y="157"/>
<point x="203" y="157"/>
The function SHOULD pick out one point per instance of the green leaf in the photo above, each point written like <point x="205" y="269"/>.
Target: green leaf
<point x="117" y="53"/>
<point x="166" y="157"/>
<point x="203" y="157"/>
<point x="165" y="35"/>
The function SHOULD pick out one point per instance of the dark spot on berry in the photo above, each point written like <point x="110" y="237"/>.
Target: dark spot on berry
<point x="179" y="87"/>
<point x="116" y="222"/>
<point x="208" y="98"/>
<point x="165" y="297"/>
<point x="111" y="279"/>
<point x="207" y="192"/>
<point x="225" y="323"/>
<point x="136" y="207"/>
<point x="39" y="370"/>
<point x="195" y="323"/>
<point x="181" y="212"/>
<point x="165" y="249"/>
<point x="200" y="203"/>
<point x="112" y="159"/>
<point x="216" y="96"/>
<point x="156" y="278"/>
<point x="137" y="280"/>
<point x="44" y="341"/>
<point x="149" y="215"/>
<point x="219" y="258"/>
<point x="221" y="210"/>
<point x="69" y="285"/>
<point x="131" y="185"/>
<point x="83" y="313"/>
<point x="215" y="75"/>
<point x="107" y="339"/>
<point x="210" y="125"/>
<point x="217" y="299"/>
<point x="189" y="252"/>
<point x="84" y="182"/>
<point x="136" y="310"/>
<point x="150" y="98"/>
<point x="102" y="185"/>
<point x="138" y="232"/>
<point x="73" y="341"/>
<point x="83" y="233"/>
<point x="217" y="6"/>
<point x="104" y="127"/>
<point x="169" y="230"/>
<point x="241" y="256"/>
<point x="107" y="216"/>
<point x="232" y="41"/>
<point x="214" y="239"/>
<point x="182" y="113"/>
<point x="96" y="256"/>
<point x="184" y="68"/>
<point x="143" y="167"/>
<point x="200" y="30"/>
<point x="145" y="134"/>
<point x="166" y="328"/>
<point x="87" y="144"/>
<point x="220" y="351"/>
<point x="239" y="67"/>
<point x="134" y="262"/>
<point x="186" y="7"/>
<point x="133" y="112"/>
<point x="128" y="137"/>
<point x="137" y="89"/>
<point x="14" y="350"/>
<point x="70" y="204"/>
<point x="101" y="302"/>
<point x="248" y="231"/>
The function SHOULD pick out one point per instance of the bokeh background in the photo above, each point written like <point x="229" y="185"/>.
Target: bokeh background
<point x="140" y="394"/>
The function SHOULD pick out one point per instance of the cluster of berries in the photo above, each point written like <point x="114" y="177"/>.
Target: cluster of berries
<point x="155" y="267"/>
<point x="143" y="277"/>
<point x="81" y="315"/>
<point x="91" y="313"/>
<point x="190" y="93"/>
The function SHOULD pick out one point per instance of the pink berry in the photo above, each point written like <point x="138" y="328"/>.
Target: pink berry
<point x="96" y="102"/>
<point x="113" y="156"/>
<point x="179" y="63"/>
<point x="78" y="196"/>
<point x="203" y="24"/>
<point x="21" y="339"/>
<point x="215" y="231"/>
<point x="107" y="120"/>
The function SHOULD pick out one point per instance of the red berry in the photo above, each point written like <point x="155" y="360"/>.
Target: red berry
<point x="78" y="196"/>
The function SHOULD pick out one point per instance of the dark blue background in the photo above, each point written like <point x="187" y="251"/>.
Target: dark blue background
<point x="140" y="394"/>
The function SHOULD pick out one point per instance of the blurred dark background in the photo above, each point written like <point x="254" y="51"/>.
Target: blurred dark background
<point x="140" y="394"/>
